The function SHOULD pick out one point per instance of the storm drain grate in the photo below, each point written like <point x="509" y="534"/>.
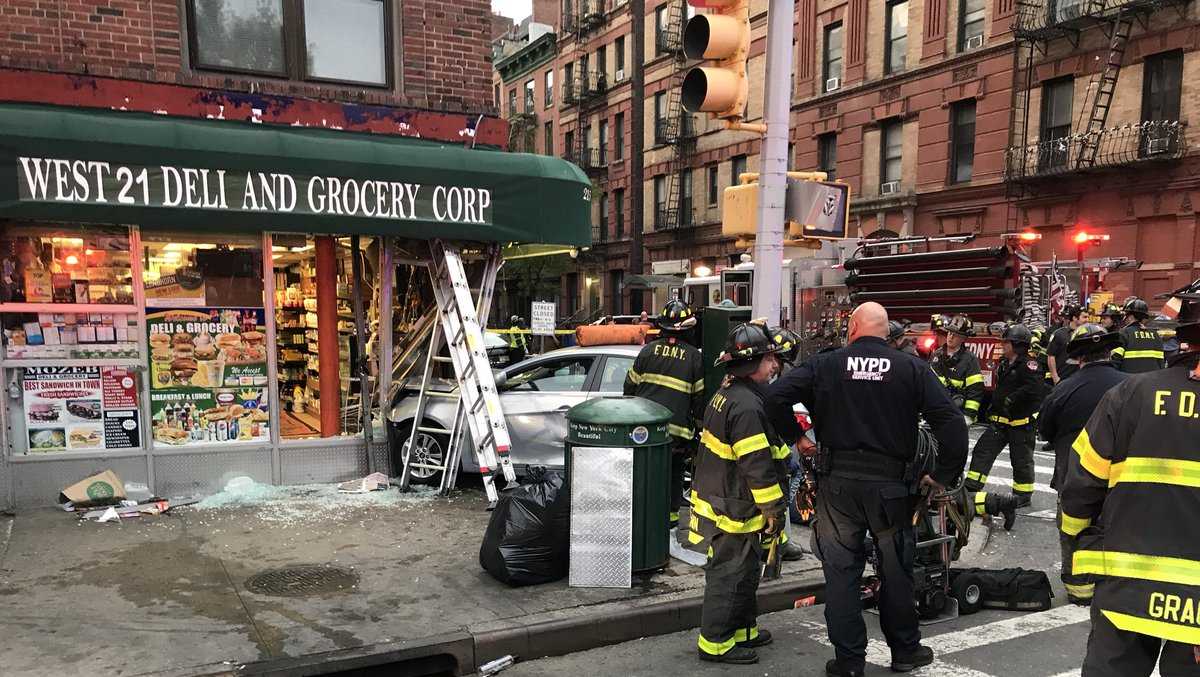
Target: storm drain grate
<point x="299" y="581"/>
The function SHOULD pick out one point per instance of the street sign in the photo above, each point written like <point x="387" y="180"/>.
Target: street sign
<point x="541" y="318"/>
<point x="817" y="209"/>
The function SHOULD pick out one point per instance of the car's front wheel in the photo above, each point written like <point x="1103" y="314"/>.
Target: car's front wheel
<point x="429" y="449"/>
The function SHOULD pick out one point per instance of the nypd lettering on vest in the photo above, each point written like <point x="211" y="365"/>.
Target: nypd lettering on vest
<point x="868" y="368"/>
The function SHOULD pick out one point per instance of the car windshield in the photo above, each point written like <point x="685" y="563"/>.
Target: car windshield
<point x="560" y="375"/>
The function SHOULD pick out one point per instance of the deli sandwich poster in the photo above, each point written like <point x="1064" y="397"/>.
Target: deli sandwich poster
<point x="80" y="408"/>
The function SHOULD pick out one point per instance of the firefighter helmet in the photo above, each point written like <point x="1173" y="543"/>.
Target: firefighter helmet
<point x="1071" y="311"/>
<point x="937" y="322"/>
<point x="1111" y="310"/>
<point x="895" y="331"/>
<point x="1092" y="338"/>
<point x="676" y="316"/>
<point x="961" y="325"/>
<point x="744" y="346"/>
<point x="1017" y="334"/>
<point x="788" y="342"/>
<point x="1136" y="307"/>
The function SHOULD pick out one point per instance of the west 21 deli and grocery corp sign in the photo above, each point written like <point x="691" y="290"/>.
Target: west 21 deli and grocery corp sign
<point x="67" y="181"/>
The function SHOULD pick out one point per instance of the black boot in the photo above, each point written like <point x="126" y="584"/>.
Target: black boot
<point x="911" y="660"/>
<point x="790" y="552"/>
<point x="1023" y="500"/>
<point x="997" y="504"/>
<point x="763" y="639"/>
<point x="833" y="668"/>
<point x="738" y="655"/>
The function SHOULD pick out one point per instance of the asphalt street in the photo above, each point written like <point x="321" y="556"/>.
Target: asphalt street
<point x="987" y="644"/>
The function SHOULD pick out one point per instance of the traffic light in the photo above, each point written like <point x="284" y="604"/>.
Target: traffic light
<point x="722" y="38"/>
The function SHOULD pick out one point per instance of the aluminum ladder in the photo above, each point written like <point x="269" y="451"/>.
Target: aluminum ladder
<point x="478" y="403"/>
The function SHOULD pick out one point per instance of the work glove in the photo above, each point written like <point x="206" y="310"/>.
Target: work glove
<point x="774" y="525"/>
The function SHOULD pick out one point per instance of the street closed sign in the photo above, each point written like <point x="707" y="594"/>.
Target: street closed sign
<point x="541" y="318"/>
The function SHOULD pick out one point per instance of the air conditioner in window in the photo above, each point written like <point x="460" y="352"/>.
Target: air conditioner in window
<point x="889" y="188"/>
<point x="620" y="75"/>
<point x="832" y="84"/>
<point x="974" y="42"/>
<point x="1158" y="146"/>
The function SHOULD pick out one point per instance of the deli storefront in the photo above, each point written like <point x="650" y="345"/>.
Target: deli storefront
<point x="182" y="299"/>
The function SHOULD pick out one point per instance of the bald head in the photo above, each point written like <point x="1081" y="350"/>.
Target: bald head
<point x="868" y="319"/>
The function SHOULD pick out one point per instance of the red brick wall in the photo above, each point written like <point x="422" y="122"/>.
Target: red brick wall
<point x="442" y="52"/>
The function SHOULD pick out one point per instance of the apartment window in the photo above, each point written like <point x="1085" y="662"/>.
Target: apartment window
<point x="739" y="168"/>
<point x="714" y="187"/>
<point x="970" y="24"/>
<point x="619" y="207"/>
<point x="619" y="137"/>
<point x="603" y="216"/>
<point x="548" y="94"/>
<point x="602" y="60"/>
<point x="548" y="142"/>
<point x="568" y="82"/>
<point x="1065" y="10"/>
<point x="1054" y="150"/>
<point x="569" y="145"/>
<point x="1162" y="78"/>
<point x="827" y="155"/>
<point x="620" y="54"/>
<point x="603" y="142"/>
<point x="896" y="39"/>
<point x="685" y="197"/>
<point x="660" y="201"/>
<point x="891" y="145"/>
<point x="832" y="56"/>
<point x="335" y="40"/>
<point x="587" y="140"/>
<point x="512" y="101"/>
<point x="529" y="99"/>
<point x="496" y="96"/>
<point x="660" y="29"/>
<point x="962" y="141"/>
<point x="660" y="114"/>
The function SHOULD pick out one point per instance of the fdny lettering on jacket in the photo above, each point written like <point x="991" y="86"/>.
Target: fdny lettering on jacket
<point x="868" y="368"/>
<point x="1181" y="403"/>
<point x="673" y="351"/>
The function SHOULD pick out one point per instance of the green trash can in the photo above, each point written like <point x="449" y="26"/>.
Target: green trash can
<point x="642" y="425"/>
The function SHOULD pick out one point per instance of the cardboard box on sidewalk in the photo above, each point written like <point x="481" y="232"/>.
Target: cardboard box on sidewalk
<point x="104" y="488"/>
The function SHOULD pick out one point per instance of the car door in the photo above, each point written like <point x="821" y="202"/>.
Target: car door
<point x="535" y="397"/>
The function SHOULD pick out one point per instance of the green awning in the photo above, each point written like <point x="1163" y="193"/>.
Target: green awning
<point x="61" y="164"/>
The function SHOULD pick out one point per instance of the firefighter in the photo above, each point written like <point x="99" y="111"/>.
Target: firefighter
<point x="1110" y="316"/>
<point x="1037" y="348"/>
<point x="1061" y="364"/>
<point x="518" y="344"/>
<point x="958" y="368"/>
<point x="1129" y="501"/>
<point x="897" y="338"/>
<point x="737" y="497"/>
<point x="937" y="324"/>
<point x="865" y="400"/>
<point x="1018" y="394"/>
<point x="1066" y="411"/>
<point x="669" y="371"/>
<point x="1141" y="348"/>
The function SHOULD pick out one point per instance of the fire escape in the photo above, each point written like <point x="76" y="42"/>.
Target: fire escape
<point x="586" y="88"/>
<point x="1090" y="143"/>
<point x="675" y="128"/>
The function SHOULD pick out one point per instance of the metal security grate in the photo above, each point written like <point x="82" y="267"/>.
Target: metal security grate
<point x="301" y="581"/>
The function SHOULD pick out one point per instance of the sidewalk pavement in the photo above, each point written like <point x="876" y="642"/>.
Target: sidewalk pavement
<point x="171" y="594"/>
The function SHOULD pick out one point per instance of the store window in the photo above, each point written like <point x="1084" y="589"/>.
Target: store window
<point x="71" y="339"/>
<point x="299" y="343"/>
<point x="206" y="332"/>
<point x="336" y="40"/>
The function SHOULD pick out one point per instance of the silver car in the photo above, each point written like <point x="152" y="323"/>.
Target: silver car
<point x="535" y="395"/>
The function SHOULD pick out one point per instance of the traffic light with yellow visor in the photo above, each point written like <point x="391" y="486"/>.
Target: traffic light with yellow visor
<point x="721" y="38"/>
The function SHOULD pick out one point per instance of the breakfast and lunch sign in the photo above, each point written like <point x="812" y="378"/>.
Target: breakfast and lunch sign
<point x="80" y="408"/>
<point x="208" y="375"/>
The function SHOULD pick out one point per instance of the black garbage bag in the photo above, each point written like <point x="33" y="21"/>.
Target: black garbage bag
<point x="529" y="533"/>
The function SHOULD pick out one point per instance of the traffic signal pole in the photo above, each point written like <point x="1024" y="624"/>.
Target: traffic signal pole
<point x="772" y="177"/>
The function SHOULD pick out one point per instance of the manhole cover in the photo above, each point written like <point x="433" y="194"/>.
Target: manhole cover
<point x="299" y="581"/>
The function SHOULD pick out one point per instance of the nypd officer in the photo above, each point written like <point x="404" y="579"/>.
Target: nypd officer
<point x="668" y="371"/>
<point x="737" y="497"/>
<point x="866" y="399"/>
<point x="1130" y="501"/>
<point x="1066" y="411"/>
<point x="1141" y="349"/>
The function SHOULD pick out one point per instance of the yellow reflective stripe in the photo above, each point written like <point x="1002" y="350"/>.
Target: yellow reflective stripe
<point x="1161" y="629"/>
<point x="635" y="377"/>
<point x="1091" y="461"/>
<point x="1147" y="354"/>
<point x="727" y="524"/>
<point x="956" y="382"/>
<point x="693" y="522"/>
<point x="1071" y="526"/>
<point x="716" y="446"/>
<point x="744" y="635"/>
<point x="973" y="379"/>
<point x="781" y="453"/>
<point x="1014" y="422"/>
<point x="673" y="517"/>
<point x="680" y="431"/>
<point x="1085" y="591"/>
<point x="1132" y="565"/>
<point x="1155" y="471"/>
<point x="768" y="495"/>
<point x="1118" y="352"/>
<point x="716" y="648"/>
<point x="668" y="382"/>
<point x="695" y="538"/>
<point x="749" y="445"/>
<point x="979" y="477"/>
<point x="942" y="379"/>
<point x="971" y="405"/>
<point x="698" y="386"/>
<point x="980" y="501"/>
<point x="1022" y="487"/>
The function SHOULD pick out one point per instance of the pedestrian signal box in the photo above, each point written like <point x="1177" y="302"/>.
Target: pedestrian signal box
<point x="813" y="209"/>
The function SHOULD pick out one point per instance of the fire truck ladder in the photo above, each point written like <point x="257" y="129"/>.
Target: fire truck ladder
<point x="1118" y="39"/>
<point x="478" y="402"/>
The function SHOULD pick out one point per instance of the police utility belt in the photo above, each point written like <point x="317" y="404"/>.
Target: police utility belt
<point x="863" y="464"/>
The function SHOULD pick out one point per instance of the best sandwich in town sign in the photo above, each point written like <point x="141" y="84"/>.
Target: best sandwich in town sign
<point x="60" y="180"/>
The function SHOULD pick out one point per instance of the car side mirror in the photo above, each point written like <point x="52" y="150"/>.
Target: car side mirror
<point x="500" y="377"/>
